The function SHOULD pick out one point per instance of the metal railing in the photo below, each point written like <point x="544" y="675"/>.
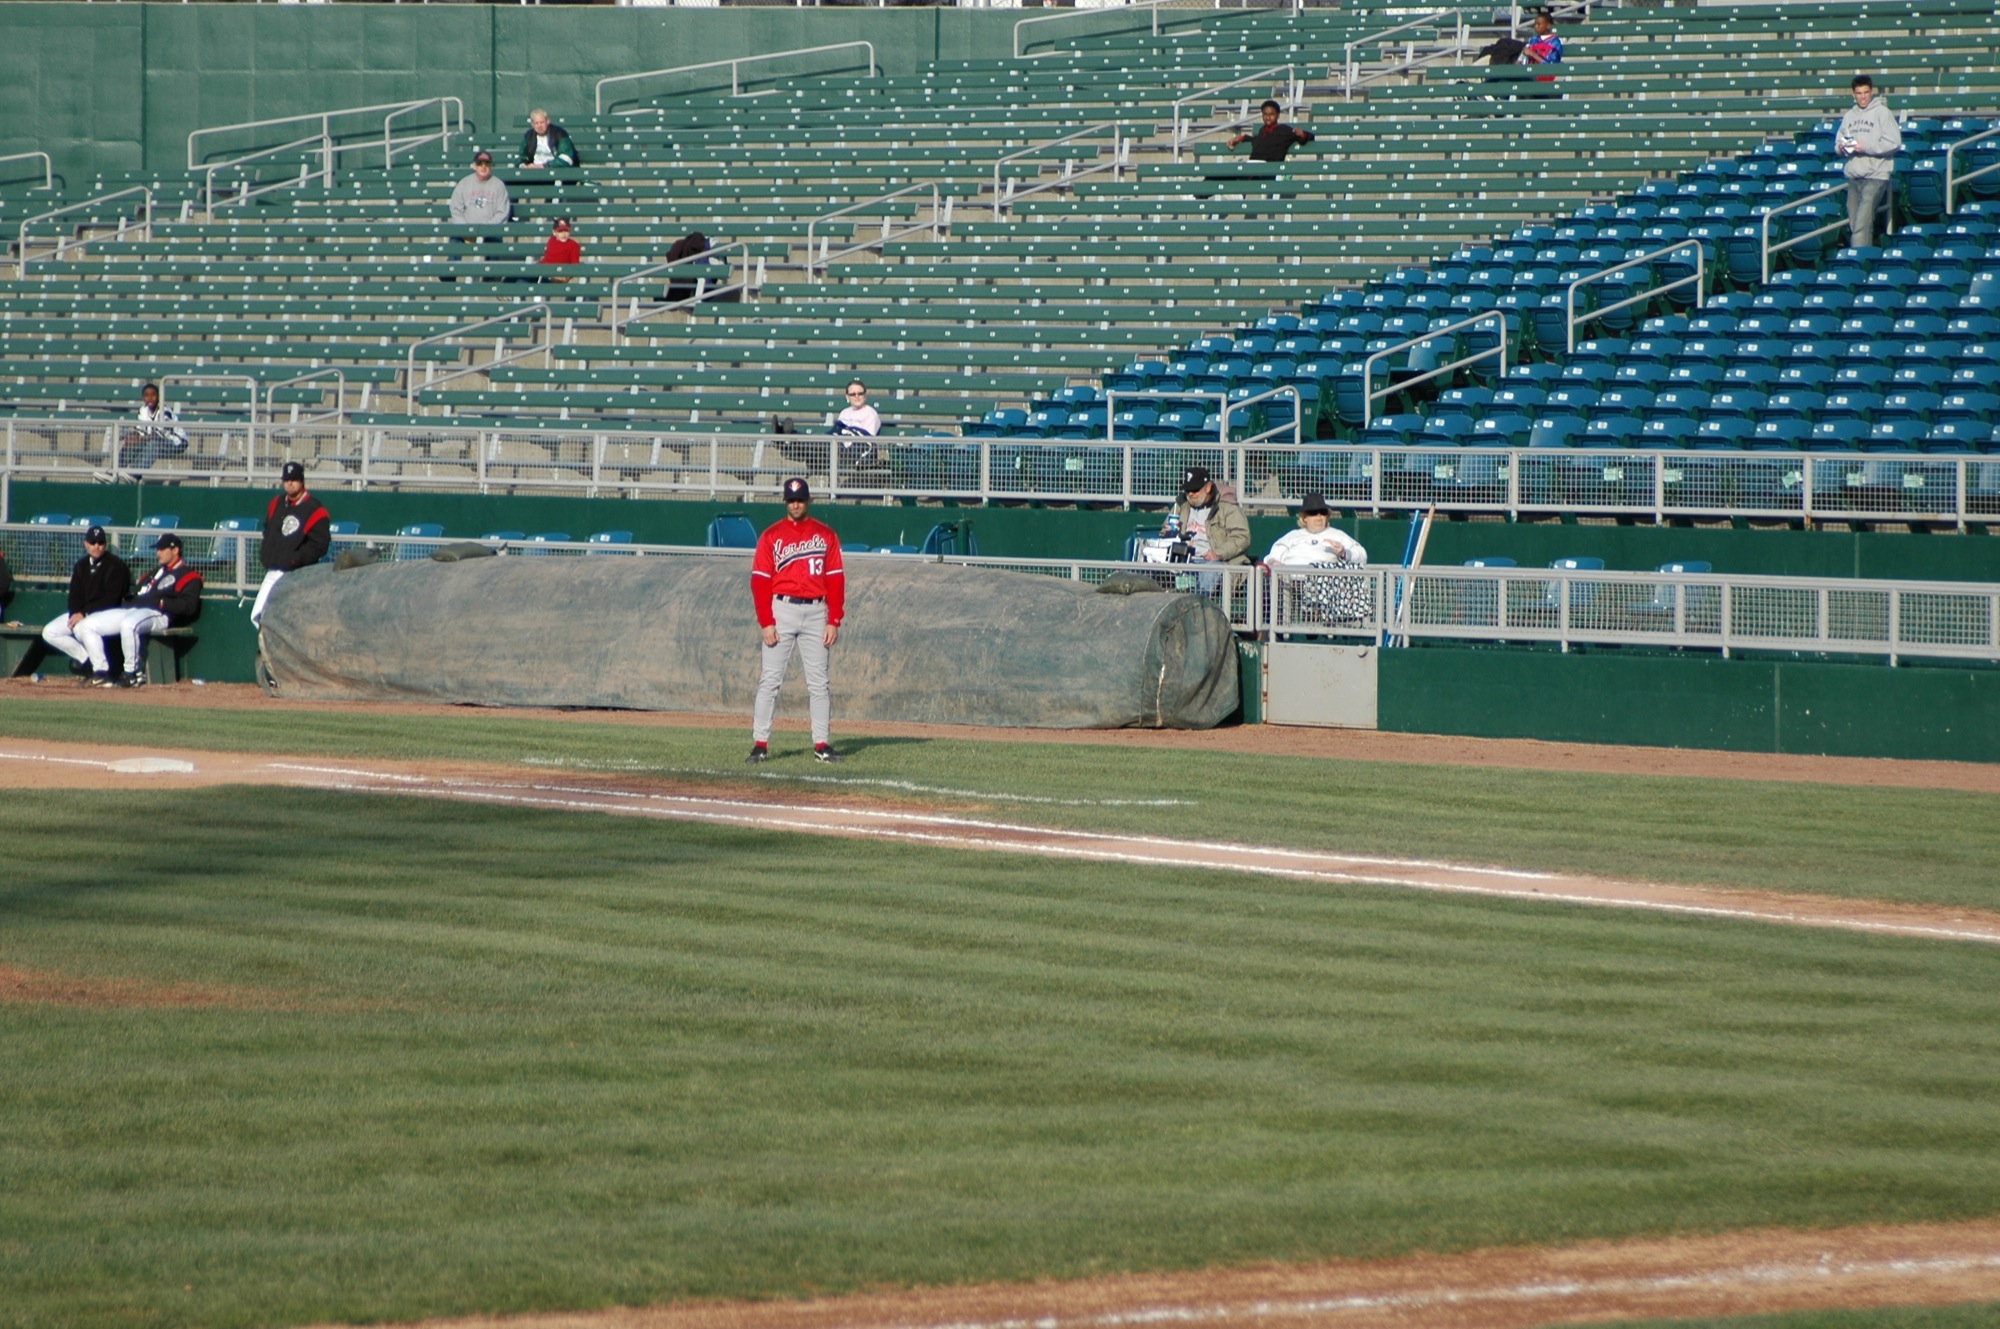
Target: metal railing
<point x="537" y="308"/>
<point x="1226" y="408"/>
<point x="326" y="144"/>
<point x="1654" y="485"/>
<point x="939" y="223"/>
<point x="1181" y="8"/>
<point x="734" y="66"/>
<point x="1292" y="99"/>
<point x="1070" y="172"/>
<point x="1699" y="281"/>
<point x="1769" y="250"/>
<point x="1368" y="393"/>
<point x="245" y="381"/>
<point x="48" y="165"/>
<point x="64" y="244"/>
<point x="1351" y="68"/>
<point x="339" y="412"/>
<point x="1728" y="614"/>
<point x="1952" y="180"/>
<point x="702" y="290"/>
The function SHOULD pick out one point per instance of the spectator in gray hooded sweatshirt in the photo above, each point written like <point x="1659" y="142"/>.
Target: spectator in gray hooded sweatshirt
<point x="1868" y="140"/>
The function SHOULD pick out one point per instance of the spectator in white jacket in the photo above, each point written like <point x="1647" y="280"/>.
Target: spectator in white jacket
<point x="1316" y="543"/>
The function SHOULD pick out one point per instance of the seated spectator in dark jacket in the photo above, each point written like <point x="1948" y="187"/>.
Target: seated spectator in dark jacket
<point x="99" y="581"/>
<point x="1272" y="140"/>
<point x="170" y="598"/>
<point x="547" y="144"/>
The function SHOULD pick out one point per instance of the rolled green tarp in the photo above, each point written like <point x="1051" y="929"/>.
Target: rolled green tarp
<point x="922" y="642"/>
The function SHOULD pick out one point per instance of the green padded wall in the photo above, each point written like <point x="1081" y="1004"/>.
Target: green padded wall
<point x="1694" y="701"/>
<point x="117" y="88"/>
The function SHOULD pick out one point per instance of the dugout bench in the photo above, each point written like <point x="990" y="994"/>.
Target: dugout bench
<point x="22" y="651"/>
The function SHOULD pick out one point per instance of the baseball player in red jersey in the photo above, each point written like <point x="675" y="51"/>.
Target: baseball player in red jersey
<point x="800" y="591"/>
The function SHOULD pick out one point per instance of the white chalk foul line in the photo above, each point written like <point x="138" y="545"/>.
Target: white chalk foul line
<point x="857" y="781"/>
<point x="962" y="833"/>
<point x="1818" y="1272"/>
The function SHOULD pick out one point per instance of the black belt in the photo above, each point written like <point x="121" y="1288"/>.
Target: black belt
<point x="801" y="600"/>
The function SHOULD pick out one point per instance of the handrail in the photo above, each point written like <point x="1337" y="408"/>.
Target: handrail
<point x="529" y="310"/>
<point x="445" y="131"/>
<point x="1764" y="224"/>
<point x="734" y="65"/>
<point x="939" y="222"/>
<point x="1351" y="77"/>
<point x="702" y="291"/>
<point x="1100" y="11"/>
<point x="48" y="165"/>
<point x="63" y="245"/>
<point x="1116" y="166"/>
<point x="1368" y="395"/>
<point x="1951" y="181"/>
<point x="249" y="420"/>
<point x="246" y="193"/>
<point x="1292" y="96"/>
<point x="325" y="121"/>
<point x="1700" y="286"/>
<point x="339" y="413"/>
<point x="1230" y="406"/>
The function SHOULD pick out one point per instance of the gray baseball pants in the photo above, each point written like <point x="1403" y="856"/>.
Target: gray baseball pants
<point x="1864" y="199"/>
<point x="803" y="627"/>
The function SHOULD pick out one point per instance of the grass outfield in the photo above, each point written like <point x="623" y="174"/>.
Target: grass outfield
<point x="527" y="1060"/>
<point x="1983" y="1315"/>
<point x="1920" y="846"/>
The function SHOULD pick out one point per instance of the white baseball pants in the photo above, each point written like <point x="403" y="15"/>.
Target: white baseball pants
<point x="803" y="627"/>
<point x="271" y="579"/>
<point x="130" y="626"/>
<point x="58" y="635"/>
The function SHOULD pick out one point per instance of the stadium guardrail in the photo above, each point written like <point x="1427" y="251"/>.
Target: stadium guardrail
<point x="1952" y="180"/>
<point x="1182" y="9"/>
<point x="1292" y="99"/>
<point x="733" y="65"/>
<point x="1889" y="620"/>
<point x="64" y="244"/>
<point x="1699" y="281"/>
<point x="1959" y="490"/>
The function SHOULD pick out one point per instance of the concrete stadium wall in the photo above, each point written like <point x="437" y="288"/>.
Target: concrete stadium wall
<point x="111" y="89"/>
<point x="1694" y="701"/>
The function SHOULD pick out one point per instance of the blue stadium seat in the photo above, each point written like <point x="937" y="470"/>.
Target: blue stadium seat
<point x="731" y="531"/>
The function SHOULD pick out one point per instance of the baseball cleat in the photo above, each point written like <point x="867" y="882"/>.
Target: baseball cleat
<point x="132" y="681"/>
<point x="757" y="753"/>
<point x="99" y="681"/>
<point x="825" y="752"/>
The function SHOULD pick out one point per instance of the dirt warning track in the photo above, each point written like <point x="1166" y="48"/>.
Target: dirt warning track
<point x="1733" y="1274"/>
<point x="871" y="816"/>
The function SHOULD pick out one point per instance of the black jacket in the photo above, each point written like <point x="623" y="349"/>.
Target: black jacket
<point x="102" y="584"/>
<point x="174" y="591"/>
<point x="6" y="580"/>
<point x="559" y="143"/>
<point x="296" y="535"/>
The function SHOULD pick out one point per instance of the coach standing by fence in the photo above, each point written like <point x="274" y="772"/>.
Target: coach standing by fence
<point x="297" y="534"/>
<point x="800" y="592"/>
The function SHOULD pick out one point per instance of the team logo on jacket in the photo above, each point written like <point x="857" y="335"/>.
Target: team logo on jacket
<point x="811" y="547"/>
<point x="289" y="527"/>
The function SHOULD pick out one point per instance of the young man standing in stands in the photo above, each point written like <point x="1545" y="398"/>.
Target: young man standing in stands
<point x="799" y="590"/>
<point x="546" y="144"/>
<point x="1868" y="139"/>
<point x="1272" y="140"/>
<point x="297" y="534"/>
<point x="170" y="598"/>
<point x="99" y="581"/>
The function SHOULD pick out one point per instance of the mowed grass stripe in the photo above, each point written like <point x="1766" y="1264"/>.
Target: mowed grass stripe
<point x="1972" y="1315"/>
<point x="541" y="1060"/>
<point x="1910" y="845"/>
